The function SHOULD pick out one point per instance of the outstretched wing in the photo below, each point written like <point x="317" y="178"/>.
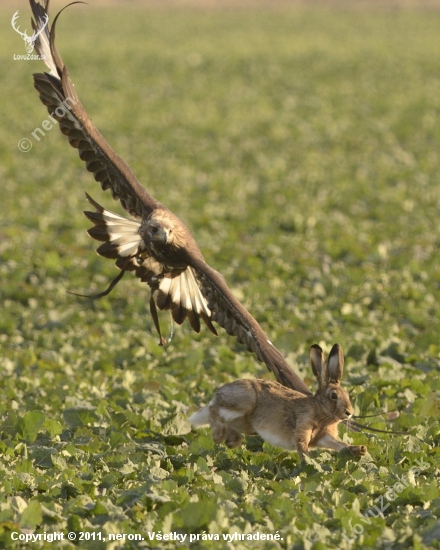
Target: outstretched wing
<point x="58" y="93"/>
<point x="177" y="292"/>
<point x="230" y="314"/>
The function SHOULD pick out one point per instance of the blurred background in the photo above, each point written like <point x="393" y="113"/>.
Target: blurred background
<point x="299" y="143"/>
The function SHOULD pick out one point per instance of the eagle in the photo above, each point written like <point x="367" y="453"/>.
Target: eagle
<point x="155" y="244"/>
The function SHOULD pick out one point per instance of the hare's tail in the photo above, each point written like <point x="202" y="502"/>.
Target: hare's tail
<point x="200" y="417"/>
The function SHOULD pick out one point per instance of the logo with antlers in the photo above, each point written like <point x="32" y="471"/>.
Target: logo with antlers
<point x="28" y="40"/>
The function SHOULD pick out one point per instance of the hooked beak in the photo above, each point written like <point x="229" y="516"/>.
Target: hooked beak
<point x="158" y="234"/>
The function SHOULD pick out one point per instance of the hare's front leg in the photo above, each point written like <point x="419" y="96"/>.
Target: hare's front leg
<point x="330" y="442"/>
<point x="357" y="450"/>
<point x="302" y="440"/>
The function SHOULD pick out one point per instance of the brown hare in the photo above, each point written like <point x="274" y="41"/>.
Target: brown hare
<point x="281" y="416"/>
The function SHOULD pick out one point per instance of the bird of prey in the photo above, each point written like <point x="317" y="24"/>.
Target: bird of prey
<point x="156" y="245"/>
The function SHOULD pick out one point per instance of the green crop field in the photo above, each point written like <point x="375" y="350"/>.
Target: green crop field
<point x="301" y="147"/>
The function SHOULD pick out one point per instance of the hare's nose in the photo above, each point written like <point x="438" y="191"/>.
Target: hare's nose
<point x="348" y="414"/>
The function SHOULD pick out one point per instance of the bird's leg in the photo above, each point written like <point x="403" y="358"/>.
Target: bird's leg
<point x="171" y="328"/>
<point x="153" y="311"/>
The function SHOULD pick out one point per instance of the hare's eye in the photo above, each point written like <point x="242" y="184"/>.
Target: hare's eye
<point x="334" y="395"/>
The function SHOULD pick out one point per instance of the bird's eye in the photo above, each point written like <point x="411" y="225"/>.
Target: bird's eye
<point x="334" y="396"/>
<point x="154" y="230"/>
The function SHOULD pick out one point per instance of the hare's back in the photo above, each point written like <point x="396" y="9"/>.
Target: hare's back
<point x="235" y="396"/>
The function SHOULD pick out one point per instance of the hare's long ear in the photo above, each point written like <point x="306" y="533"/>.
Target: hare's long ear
<point x="335" y="365"/>
<point x="317" y="360"/>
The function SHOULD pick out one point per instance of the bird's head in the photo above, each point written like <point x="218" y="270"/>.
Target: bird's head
<point x="159" y="231"/>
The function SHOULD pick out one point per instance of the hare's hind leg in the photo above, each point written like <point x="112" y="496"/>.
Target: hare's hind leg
<point x="221" y="431"/>
<point x="233" y="438"/>
<point x="228" y="410"/>
<point x="218" y="425"/>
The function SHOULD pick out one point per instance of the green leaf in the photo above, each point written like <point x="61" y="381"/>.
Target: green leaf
<point x="53" y="427"/>
<point x="77" y="417"/>
<point x="59" y="462"/>
<point x="198" y="514"/>
<point x="30" y="425"/>
<point x="176" y="426"/>
<point x="31" y="516"/>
